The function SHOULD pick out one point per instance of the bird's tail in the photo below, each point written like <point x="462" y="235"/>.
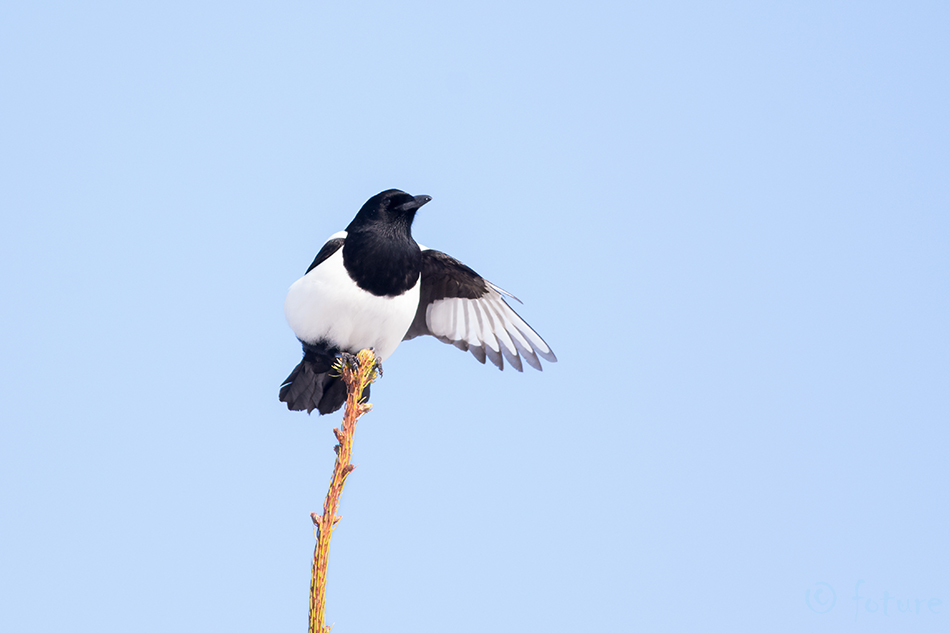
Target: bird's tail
<point x="313" y="384"/>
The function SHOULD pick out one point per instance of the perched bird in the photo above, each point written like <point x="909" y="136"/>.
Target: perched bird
<point x="373" y="286"/>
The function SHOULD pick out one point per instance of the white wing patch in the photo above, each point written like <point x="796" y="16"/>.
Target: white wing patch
<point x="488" y="328"/>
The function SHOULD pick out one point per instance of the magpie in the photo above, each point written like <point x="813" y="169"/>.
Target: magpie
<point x="373" y="286"/>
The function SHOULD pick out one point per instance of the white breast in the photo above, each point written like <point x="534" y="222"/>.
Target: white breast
<point x="325" y="304"/>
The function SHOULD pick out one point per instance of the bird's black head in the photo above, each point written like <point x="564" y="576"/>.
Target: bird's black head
<point x="392" y="208"/>
<point x="379" y="253"/>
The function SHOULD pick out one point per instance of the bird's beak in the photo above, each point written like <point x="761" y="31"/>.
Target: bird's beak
<point x="421" y="200"/>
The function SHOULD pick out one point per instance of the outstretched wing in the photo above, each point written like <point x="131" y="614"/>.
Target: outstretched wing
<point x="458" y="306"/>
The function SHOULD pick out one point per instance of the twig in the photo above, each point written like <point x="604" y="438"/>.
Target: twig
<point x="357" y="373"/>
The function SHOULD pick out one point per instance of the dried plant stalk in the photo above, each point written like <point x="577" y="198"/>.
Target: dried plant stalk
<point x="357" y="373"/>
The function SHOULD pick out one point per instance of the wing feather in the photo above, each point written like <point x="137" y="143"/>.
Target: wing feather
<point x="459" y="307"/>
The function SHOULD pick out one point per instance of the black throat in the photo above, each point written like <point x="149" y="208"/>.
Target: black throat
<point x="382" y="259"/>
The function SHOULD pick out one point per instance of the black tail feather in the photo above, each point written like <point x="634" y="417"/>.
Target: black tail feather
<point x="311" y="386"/>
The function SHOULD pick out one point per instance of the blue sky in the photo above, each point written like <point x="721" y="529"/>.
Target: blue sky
<point x="731" y="222"/>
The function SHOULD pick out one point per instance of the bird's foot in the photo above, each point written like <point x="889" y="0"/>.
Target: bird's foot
<point x="350" y="360"/>
<point x="352" y="363"/>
